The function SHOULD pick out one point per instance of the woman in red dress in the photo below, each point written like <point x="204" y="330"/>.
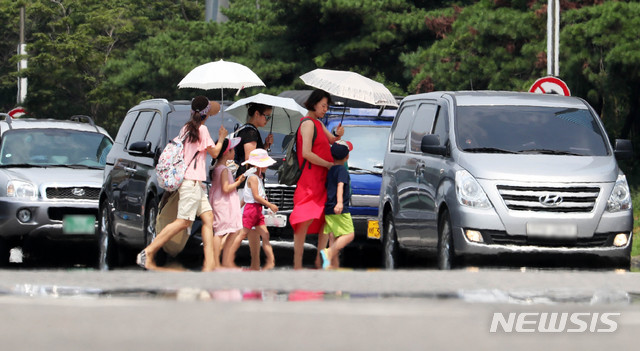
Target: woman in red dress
<point x="311" y="194"/>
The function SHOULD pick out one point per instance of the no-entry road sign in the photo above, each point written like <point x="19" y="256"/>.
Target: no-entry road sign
<point x="550" y="85"/>
<point x="16" y="112"/>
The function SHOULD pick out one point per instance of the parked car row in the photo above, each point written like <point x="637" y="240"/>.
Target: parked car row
<point x="452" y="174"/>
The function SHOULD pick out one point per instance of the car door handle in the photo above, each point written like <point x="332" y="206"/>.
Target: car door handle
<point x="129" y="170"/>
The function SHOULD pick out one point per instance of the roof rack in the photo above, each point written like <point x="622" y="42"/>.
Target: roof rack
<point x="156" y="100"/>
<point x="88" y="119"/>
<point x="81" y="118"/>
<point x="8" y="118"/>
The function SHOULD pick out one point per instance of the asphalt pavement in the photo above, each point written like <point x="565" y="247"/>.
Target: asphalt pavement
<point x="84" y="309"/>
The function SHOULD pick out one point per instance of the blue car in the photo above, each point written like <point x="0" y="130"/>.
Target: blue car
<point x="367" y="128"/>
<point x="368" y="133"/>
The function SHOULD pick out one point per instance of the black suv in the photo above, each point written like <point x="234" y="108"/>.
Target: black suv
<point x="130" y="193"/>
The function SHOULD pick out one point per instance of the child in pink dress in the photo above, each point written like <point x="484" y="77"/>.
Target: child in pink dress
<point x="255" y="197"/>
<point x="224" y="199"/>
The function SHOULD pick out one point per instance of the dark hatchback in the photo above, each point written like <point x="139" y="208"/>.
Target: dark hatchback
<point x="130" y="194"/>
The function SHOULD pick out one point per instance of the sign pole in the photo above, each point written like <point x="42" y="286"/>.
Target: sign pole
<point x="22" y="64"/>
<point x="553" y="37"/>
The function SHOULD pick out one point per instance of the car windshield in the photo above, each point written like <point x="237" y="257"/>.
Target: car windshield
<point x="368" y="147"/>
<point x="178" y="119"/>
<point x="53" y="147"/>
<point x="529" y="130"/>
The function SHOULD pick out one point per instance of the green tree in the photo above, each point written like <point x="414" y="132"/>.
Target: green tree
<point x="70" y="41"/>
<point x="154" y="65"/>
<point x="366" y="36"/>
<point x="9" y="39"/>
<point x="482" y="46"/>
<point x="601" y="62"/>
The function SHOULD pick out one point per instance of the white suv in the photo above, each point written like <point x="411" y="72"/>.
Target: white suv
<point x="50" y="179"/>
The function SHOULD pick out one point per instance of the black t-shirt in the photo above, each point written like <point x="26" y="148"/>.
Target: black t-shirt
<point x="249" y="133"/>
<point x="337" y="174"/>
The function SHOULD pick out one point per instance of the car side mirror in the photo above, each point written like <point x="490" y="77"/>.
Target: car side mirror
<point x="431" y="145"/>
<point x="623" y="149"/>
<point x="141" y="148"/>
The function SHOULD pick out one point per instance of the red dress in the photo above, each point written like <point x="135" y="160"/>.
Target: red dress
<point x="311" y="191"/>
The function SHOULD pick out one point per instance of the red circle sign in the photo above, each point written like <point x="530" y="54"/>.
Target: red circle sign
<point x="16" y="112"/>
<point x="550" y="85"/>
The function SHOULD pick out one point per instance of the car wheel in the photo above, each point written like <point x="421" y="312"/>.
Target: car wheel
<point x="446" y="254"/>
<point x="150" y="216"/>
<point x="108" y="253"/>
<point x="391" y="251"/>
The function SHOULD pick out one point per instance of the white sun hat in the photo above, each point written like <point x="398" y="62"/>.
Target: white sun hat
<point x="259" y="158"/>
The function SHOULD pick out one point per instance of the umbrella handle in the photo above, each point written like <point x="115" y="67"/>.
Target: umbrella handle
<point x="344" y="110"/>
<point x="271" y="129"/>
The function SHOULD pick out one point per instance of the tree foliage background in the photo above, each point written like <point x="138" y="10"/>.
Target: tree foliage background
<point x="101" y="57"/>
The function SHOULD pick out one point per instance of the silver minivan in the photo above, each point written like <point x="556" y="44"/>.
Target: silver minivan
<point x="489" y="172"/>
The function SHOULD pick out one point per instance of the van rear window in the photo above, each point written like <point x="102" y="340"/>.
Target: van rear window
<point x="529" y="130"/>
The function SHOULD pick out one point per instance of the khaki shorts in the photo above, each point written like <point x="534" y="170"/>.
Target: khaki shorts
<point x="193" y="200"/>
<point x="338" y="224"/>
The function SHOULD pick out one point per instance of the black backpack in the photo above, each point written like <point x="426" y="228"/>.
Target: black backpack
<point x="290" y="171"/>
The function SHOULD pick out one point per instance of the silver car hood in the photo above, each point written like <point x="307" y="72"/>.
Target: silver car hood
<point x="57" y="175"/>
<point x="540" y="168"/>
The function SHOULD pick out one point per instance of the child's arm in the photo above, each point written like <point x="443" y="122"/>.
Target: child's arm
<point x="339" y="206"/>
<point x="229" y="187"/>
<point x="252" y="183"/>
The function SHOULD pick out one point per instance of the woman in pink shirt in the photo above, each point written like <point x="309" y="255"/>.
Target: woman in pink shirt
<point x="193" y="196"/>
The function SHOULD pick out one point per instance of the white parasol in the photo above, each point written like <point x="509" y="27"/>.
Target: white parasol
<point x="286" y="112"/>
<point x="221" y="75"/>
<point x="350" y="85"/>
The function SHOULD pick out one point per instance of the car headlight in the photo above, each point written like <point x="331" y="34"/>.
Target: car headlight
<point x="18" y="188"/>
<point x="620" y="198"/>
<point x="469" y="192"/>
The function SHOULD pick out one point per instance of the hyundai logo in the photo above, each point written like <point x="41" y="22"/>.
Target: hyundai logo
<point x="550" y="200"/>
<point x="77" y="192"/>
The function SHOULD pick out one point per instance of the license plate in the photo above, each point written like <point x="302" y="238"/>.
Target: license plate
<point x="546" y="230"/>
<point x="373" y="229"/>
<point x="275" y="220"/>
<point x="79" y="224"/>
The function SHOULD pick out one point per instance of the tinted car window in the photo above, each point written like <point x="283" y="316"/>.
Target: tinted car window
<point x="140" y="128"/>
<point x="178" y="119"/>
<point x="441" y="127"/>
<point x="123" y="132"/>
<point x="154" y="134"/>
<point x="422" y="124"/>
<point x="401" y="127"/>
<point x="45" y="147"/>
<point x="529" y="129"/>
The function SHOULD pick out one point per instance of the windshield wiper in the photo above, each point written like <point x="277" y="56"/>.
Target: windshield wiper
<point x="362" y="170"/>
<point x="489" y="150"/>
<point x="548" y="152"/>
<point x="75" y="166"/>
<point x="20" y="165"/>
